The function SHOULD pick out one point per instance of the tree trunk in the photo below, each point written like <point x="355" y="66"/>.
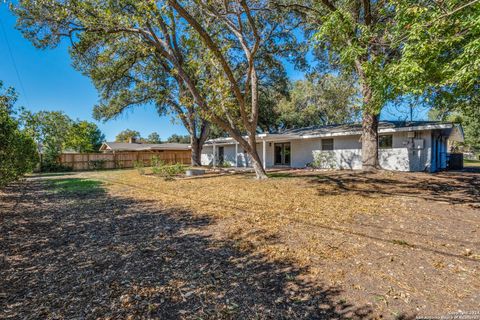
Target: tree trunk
<point x="257" y="163"/>
<point x="250" y="146"/>
<point x="370" y="141"/>
<point x="196" y="151"/>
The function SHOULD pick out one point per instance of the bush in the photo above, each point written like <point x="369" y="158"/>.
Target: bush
<point x="139" y="165"/>
<point x="169" y="171"/>
<point x="18" y="152"/>
<point x="224" y="164"/>
<point x="54" y="166"/>
<point x="50" y="160"/>
<point x="156" y="162"/>
<point x="323" y="160"/>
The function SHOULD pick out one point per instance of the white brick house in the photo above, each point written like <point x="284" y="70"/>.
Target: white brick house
<point x="404" y="146"/>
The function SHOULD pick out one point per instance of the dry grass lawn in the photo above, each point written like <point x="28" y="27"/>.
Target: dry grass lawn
<point x="388" y="244"/>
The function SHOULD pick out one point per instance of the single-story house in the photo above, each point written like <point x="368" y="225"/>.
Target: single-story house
<point x="403" y="146"/>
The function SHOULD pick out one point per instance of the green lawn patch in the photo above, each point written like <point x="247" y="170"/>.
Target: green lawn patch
<point x="76" y="185"/>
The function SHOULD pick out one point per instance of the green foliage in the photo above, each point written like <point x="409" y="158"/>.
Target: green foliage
<point x="76" y="186"/>
<point x="54" y="132"/>
<point x="176" y="138"/>
<point x="324" y="160"/>
<point x="322" y="101"/>
<point x="84" y="136"/>
<point x="224" y="164"/>
<point x="156" y="161"/>
<point x="169" y="54"/>
<point x="140" y="166"/>
<point x="127" y="134"/>
<point x="18" y="152"/>
<point x="468" y="115"/>
<point x="396" y="48"/>
<point x="153" y="137"/>
<point x="168" y="172"/>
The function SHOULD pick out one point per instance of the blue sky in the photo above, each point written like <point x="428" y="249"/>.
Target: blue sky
<point x="45" y="80"/>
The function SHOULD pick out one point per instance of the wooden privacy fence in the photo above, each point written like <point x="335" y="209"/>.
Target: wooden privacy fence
<point x="120" y="160"/>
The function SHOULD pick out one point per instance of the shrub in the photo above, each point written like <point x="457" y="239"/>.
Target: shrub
<point x="139" y="165"/>
<point x="156" y="162"/>
<point x="323" y="160"/>
<point x="54" y="166"/>
<point x="225" y="164"/>
<point x="18" y="152"/>
<point x="169" y="171"/>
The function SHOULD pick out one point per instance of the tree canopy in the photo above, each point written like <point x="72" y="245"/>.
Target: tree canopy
<point x="84" y="136"/>
<point x="316" y="102"/>
<point x="153" y="137"/>
<point x="54" y="132"/>
<point x="127" y="134"/>
<point x="176" y="138"/>
<point x="138" y="52"/>
<point x="394" y="48"/>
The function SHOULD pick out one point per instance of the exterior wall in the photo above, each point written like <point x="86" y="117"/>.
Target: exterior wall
<point x="242" y="157"/>
<point x="406" y="154"/>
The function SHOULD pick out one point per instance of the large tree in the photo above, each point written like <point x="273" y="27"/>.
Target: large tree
<point x="128" y="74"/>
<point x="84" y="136"/>
<point x="207" y="55"/>
<point x="394" y="48"/>
<point x="49" y="129"/>
<point x="318" y="101"/>
<point x="54" y="132"/>
<point x="153" y="137"/>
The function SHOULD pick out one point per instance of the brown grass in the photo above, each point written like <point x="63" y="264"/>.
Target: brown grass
<point x="347" y="228"/>
<point x="271" y="216"/>
<point x="399" y="242"/>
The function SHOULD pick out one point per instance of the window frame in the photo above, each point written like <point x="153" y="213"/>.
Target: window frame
<point x="380" y="140"/>
<point x="332" y="144"/>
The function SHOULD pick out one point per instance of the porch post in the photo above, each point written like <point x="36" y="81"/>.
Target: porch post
<point x="214" y="155"/>
<point x="264" y="145"/>
<point x="236" y="154"/>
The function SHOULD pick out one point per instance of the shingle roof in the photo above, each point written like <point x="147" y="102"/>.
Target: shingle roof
<point x="123" y="146"/>
<point x="344" y="129"/>
<point x="336" y="128"/>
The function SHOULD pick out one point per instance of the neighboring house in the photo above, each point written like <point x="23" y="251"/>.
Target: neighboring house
<point x="403" y="146"/>
<point x="127" y="153"/>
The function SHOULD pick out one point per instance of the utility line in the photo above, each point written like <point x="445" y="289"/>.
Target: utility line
<point x="14" y="63"/>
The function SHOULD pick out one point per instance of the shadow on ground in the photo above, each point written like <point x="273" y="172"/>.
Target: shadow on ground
<point x="75" y="252"/>
<point x="454" y="187"/>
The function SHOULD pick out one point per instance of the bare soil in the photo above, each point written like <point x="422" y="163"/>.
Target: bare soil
<point x="304" y="244"/>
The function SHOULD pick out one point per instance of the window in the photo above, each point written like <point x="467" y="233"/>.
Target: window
<point x="385" y="142"/>
<point x="327" y="144"/>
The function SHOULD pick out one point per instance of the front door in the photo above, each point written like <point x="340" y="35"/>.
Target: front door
<point x="221" y="157"/>
<point x="282" y="154"/>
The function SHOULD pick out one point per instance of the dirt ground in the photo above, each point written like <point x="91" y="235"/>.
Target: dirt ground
<point x="302" y="245"/>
